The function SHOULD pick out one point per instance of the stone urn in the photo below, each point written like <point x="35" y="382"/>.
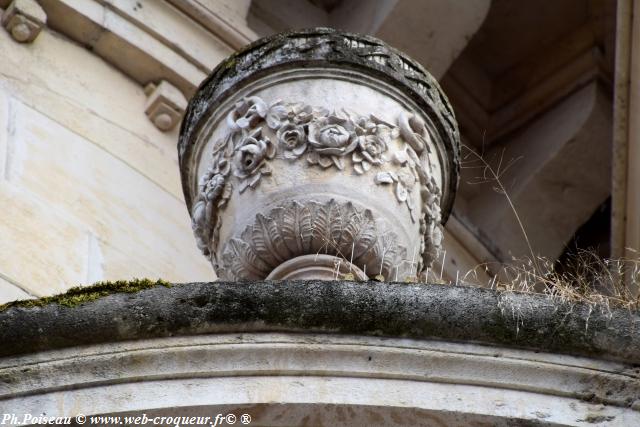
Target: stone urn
<point x="319" y="154"/>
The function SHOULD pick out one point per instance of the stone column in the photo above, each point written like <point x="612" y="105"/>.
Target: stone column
<point x="319" y="154"/>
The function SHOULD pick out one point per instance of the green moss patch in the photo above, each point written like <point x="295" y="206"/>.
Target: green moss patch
<point x="82" y="294"/>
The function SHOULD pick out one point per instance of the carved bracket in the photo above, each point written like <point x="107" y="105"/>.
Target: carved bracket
<point x="24" y="19"/>
<point x="165" y="105"/>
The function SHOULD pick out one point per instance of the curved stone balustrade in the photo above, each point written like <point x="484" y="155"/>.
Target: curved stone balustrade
<point x="319" y="142"/>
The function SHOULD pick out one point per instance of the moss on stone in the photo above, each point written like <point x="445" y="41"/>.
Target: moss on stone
<point x="82" y="294"/>
<point x="231" y="62"/>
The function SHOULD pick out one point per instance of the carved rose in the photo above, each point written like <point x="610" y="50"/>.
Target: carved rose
<point x="247" y="113"/>
<point x="370" y="149"/>
<point x="331" y="138"/>
<point x="251" y="159"/>
<point x="294" y="139"/>
<point x="374" y="136"/>
<point x="296" y="114"/>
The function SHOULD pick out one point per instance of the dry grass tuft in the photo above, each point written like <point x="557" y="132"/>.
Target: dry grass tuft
<point x="583" y="277"/>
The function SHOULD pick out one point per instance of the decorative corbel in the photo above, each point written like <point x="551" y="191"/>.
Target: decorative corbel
<point x="165" y="105"/>
<point x="24" y="20"/>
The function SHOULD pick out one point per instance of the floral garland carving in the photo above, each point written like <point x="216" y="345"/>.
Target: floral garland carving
<point x="321" y="47"/>
<point x="311" y="227"/>
<point x="327" y="139"/>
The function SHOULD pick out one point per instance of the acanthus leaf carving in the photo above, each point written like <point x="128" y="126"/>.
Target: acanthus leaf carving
<point x="336" y="225"/>
<point x="297" y="228"/>
<point x="267" y="241"/>
<point x="321" y="228"/>
<point x="307" y="228"/>
<point x="240" y="257"/>
<point x="251" y="156"/>
<point x="359" y="233"/>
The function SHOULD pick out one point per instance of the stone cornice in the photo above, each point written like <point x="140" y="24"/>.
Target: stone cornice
<point x="208" y="371"/>
<point x="133" y="38"/>
<point x="490" y="108"/>
<point x="236" y="36"/>
<point x="417" y="311"/>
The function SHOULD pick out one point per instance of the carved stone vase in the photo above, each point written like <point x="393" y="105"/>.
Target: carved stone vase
<point x="317" y="155"/>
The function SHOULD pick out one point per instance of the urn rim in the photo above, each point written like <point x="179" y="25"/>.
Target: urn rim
<point x="332" y="49"/>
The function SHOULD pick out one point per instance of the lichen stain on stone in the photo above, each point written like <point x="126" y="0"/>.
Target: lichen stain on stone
<point x="596" y="418"/>
<point x="231" y="62"/>
<point x="81" y="294"/>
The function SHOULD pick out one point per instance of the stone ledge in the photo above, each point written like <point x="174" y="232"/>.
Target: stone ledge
<point x="417" y="311"/>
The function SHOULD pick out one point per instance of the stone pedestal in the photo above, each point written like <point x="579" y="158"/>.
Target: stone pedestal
<point x="319" y="143"/>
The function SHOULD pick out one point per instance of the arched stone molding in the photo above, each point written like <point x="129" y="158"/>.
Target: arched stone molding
<point x="279" y="379"/>
<point x="453" y="354"/>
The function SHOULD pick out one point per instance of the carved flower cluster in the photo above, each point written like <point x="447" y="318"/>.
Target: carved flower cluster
<point x="259" y="132"/>
<point x="213" y="193"/>
<point x="326" y="138"/>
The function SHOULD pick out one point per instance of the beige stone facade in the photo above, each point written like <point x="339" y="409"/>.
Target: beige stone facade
<point x="89" y="186"/>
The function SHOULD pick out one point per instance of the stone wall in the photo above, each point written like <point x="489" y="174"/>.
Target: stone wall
<point x="89" y="188"/>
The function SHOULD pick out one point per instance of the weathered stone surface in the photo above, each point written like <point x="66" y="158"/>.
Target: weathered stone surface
<point x="10" y="292"/>
<point x="285" y="379"/>
<point x="416" y="311"/>
<point x="30" y="231"/>
<point x="121" y="207"/>
<point x="322" y="47"/>
<point x="286" y="351"/>
<point x="24" y="19"/>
